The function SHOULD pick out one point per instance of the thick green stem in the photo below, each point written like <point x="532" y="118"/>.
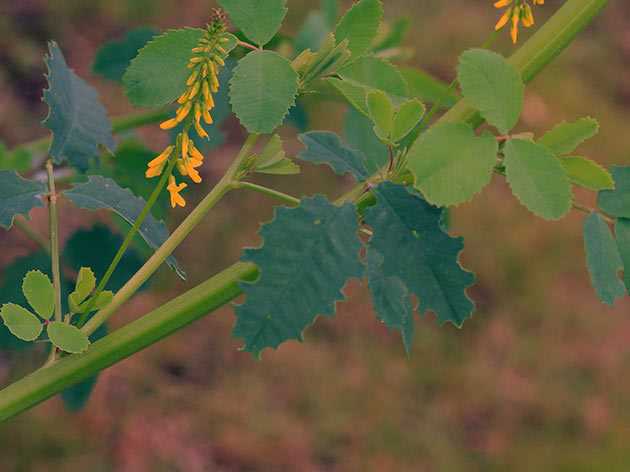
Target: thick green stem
<point x="223" y="288"/>
<point x="54" y="238"/>
<point x="267" y="191"/>
<point x="178" y="236"/>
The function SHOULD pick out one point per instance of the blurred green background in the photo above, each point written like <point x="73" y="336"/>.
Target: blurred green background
<point x="536" y="380"/>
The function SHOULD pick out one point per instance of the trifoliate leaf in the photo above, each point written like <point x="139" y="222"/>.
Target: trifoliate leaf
<point x="566" y="137"/>
<point x="359" y="134"/>
<point x="391" y="299"/>
<point x="360" y="25"/>
<point x="114" y="57"/>
<point x="329" y="59"/>
<point x="381" y="111"/>
<point x="273" y="160"/>
<point x="622" y="233"/>
<point x="22" y="323"/>
<point x="537" y="179"/>
<point x="308" y="255"/>
<point x="353" y="93"/>
<point x="324" y="147"/>
<point x="262" y="91"/>
<point x="375" y="73"/>
<point x="68" y="338"/>
<point x="76" y="117"/>
<point x="104" y="298"/>
<point x="603" y="259"/>
<point x="102" y="193"/>
<point x="18" y="196"/>
<point x="158" y="73"/>
<point x="427" y="88"/>
<point x="493" y="86"/>
<point x="39" y="292"/>
<point x="259" y="20"/>
<point x="409" y="237"/>
<point x="587" y="173"/>
<point x="450" y="164"/>
<point x="617" y="202"/>
<point x="407" y="118"/>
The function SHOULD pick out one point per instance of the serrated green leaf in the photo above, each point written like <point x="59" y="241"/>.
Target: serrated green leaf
<point x="353" y="93"/>
<point x="409" y="237"/>
<point x="493" y="86"/>
<point x="391" y="299"/>
<point x="427" y="88"/>
<point x="407" y="118"/>
<point x="360" y="25"/>
<point x="102" y="193"/>
<point x="68" y="338"/>
<point x="375" y="73"/>
<point x="324" y="147"/>
<point x="76" y="117"/>
<point x="308" y="255"/>
<point x="273" y="160"/>
<point x="566" y="137"/>
<point x="259" y="20"/>
<point x="537" y="179"/>
<point x="22" y="323"/>
<point x="284" y="167"/>
<point x="450" y="164"/>
<point x="104" y="298"/>
<point x="262" y="91"/>
<point x="587" y="173"/>
<point x="20" y="160"/>
<point x="622" y="233"/>
<point x="158" y="73"/>
<point x="381" y="111"/>
<point x="18" y="196"/>
<point x="359" y="134"/>
<point x="39" y="292"/>
<point x="114" y="57"/>
<point x="603" y="259"/>
<point x="85" y="285"/>
<point x="617" y="202"/>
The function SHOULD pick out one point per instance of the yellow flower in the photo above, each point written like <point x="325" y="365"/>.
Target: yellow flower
<point x="156" y="166"/>
<point x="174" y="189"/>
<point x="517" y="12"/>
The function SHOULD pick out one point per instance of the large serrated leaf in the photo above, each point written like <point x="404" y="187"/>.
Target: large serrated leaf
<point x="352" y="92"/>
<point x="325" y="147"/>
<point x="259" y="20"/>
<point x="39" y="292"/>
<point x="450" y="164"/>
<point x="77" y="118"/>
<point x="262" y="91"/>
<point x="22" y="323"/>
<point x="114" y="57"/>
<point x="391" y="298"/>
<point x="427" y="88"/>
<point x="360" y="25"/>
<point x="309" y="253"/>
<point x="493" y="86"/>
<point x="537" y="179"/>
<point x="102" y="193"/>
<point x="158" y="74"/>
<point x="566" y="137"/>
<point x="617" y="202"/>
<point x="409" y="237"/>
<point x="359" y="134"/>
<point x="18" y="196"/>
<point x="68" y="338"/>
<point x="603" y="259"/>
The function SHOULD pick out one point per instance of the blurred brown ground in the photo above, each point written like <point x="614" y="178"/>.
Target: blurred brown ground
<point x="537" y="380"/>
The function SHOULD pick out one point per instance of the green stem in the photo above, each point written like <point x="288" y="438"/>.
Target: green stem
<point x="178" y="236"/>
<point x="224" y="287"/>
<point x="32" y="234"/>
<point x="129" y="239"/>
<point x="54" y="238"/>
<point x="267" y="191"/>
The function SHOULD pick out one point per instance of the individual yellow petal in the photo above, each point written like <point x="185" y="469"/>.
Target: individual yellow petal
<point x="182" y="112"/>
<point x="200" y="131"/>
<point x="194" y="90"/>
<point x="153" y="172"/>
<point x="207" y="117"/>
<point x="174" y="189"/>
<point x="193" y="174"/>
<point x="183" y="98"/>
<point x="221" y="50"/>
<point x="195" y="154"/>
<point x="502" y="3"/>
<point x="218" y="60"/>
<point x="196" y="59"/>
<point x="204" y="71"/>
<point x="528" y="17"/>
<point x="169" y="124"/>
<point x="193" y="77"/>
<point x="502" y="21"/>
<point x="181" y="167"/>
<point x="185" y="142"/>
<point x="514" y="29"/>
<point x="159" y="160"/>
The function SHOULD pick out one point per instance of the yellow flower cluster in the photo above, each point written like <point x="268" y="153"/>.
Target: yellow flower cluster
<point x="195" y="104"/>
<point x="517" y="11"/>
